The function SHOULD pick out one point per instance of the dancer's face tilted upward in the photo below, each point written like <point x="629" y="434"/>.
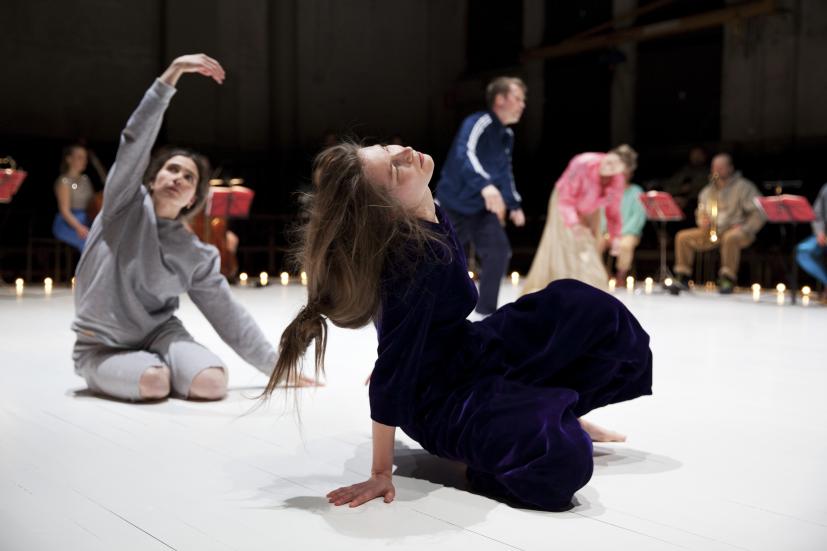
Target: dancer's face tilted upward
<point x="404" y="172"/>
<point x="173" y="188"/>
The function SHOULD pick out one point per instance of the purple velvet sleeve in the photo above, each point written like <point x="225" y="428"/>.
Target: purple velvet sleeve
<point x="403" y="328"/>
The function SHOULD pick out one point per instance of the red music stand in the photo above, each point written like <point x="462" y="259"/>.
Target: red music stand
<point x="10" y="182"/>
<point x="661" y="209"/>
<point x="230" y="202"/>
<point x="787" y="209"/>
<point x="11" y="179"/>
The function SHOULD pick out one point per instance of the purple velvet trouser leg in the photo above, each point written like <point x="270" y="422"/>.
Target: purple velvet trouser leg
<point x="566" y="350"/>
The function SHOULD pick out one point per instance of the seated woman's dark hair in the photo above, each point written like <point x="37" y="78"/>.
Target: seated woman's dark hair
<point x="202" y="187"/>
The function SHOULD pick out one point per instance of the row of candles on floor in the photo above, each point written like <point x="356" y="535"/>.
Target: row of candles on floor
<point x="780" y="289"/>
<point x="648" y="285"/>
<point x="264" y="279"/>
<point x="48" y="284"/>
<point x="243" y="279"/>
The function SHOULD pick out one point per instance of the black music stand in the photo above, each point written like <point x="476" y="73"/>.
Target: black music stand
<point x="661" y="209"/>
<point x="783" y="210"/>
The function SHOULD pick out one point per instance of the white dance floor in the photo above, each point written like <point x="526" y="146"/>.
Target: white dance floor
<point x="729" y="453"/>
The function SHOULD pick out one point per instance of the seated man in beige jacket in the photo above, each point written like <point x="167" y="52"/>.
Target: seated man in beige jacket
<point x="727" y="217"/>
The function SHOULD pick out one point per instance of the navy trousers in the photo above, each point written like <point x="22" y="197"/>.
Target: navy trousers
<point x="491" y="246"/>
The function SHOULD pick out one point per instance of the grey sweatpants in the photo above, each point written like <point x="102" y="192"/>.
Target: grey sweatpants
<point x="117" y="371"/>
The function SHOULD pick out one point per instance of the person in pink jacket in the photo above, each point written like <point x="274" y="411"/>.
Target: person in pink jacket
<point x="571" y="245"/>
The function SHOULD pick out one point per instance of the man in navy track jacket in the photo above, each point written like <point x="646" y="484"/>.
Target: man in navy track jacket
<point x="476" y="186"/>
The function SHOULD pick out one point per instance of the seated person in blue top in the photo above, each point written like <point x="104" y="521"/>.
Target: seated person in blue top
<point x="811" y="253"/>
<point x="506" y="395"/>
<point x="74" y="193"/>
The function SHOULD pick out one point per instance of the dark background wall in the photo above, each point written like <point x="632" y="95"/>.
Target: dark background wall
<point x="298" y="69"/>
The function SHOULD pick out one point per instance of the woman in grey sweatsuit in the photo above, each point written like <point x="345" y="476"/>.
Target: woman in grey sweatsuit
<point x="139" y="258"/>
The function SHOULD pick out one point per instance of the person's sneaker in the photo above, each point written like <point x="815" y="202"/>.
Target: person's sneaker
<point x="725" y="286"/>
<point x="678" y="285"/>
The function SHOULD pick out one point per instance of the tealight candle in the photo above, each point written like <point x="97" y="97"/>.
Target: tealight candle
<point x="648" y="284"/>
<point x="304" y="278"/>
<point x="18" y="286"/>
<point x="612" y="285"/>
<point x="285" y="278"/>
<point x="630" y="284"/>
<point x="47" y="285"/>
<point x="242" y="278"/>
<point x="756" y="292"/>
<point x="780" y="289"/>
<point x="263" y="279"/>
<point x="515" y="278"/>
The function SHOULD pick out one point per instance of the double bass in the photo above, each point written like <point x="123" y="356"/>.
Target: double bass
<point x="214" y="230"/>
<point x="96" y="204"/>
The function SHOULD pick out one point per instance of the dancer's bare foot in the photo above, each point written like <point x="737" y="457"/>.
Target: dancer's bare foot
<point x="599" y="434"/>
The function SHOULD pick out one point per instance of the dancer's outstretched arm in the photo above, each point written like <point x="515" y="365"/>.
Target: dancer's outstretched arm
<point x="380" y="483"/>
<point x="123" y="184"/>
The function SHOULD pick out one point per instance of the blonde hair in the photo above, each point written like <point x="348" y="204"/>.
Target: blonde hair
<point x="627" y="155"/>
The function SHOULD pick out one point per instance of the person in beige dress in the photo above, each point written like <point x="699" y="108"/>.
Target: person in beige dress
<point x="571" y="245"/>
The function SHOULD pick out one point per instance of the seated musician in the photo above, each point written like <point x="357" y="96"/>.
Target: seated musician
<point x="727" y="217"/>
<point x="685" y="184"/>
<point x="74" y="192"/>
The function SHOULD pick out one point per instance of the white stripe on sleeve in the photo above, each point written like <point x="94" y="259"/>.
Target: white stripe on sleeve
<point x="515" y="193"/>
<point x="479" y="127"/>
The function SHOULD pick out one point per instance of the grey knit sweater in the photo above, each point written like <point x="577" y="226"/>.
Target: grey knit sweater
<point x="135" y="265"/>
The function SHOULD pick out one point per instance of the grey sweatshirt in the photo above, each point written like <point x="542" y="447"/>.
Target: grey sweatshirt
<point x="135" y="266"/>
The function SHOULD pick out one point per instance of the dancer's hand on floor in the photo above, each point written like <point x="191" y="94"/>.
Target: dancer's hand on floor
<point x="378" y="485"/>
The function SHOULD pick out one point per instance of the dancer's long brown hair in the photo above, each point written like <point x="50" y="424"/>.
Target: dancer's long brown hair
<point x="352" y="231"/>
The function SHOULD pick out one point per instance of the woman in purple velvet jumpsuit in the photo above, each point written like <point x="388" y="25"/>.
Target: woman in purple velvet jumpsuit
<point x="504" y="395"/>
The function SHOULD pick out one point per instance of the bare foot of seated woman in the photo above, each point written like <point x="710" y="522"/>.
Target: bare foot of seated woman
<point x="600" y="434"/>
